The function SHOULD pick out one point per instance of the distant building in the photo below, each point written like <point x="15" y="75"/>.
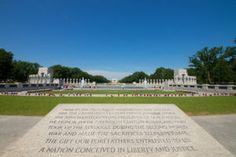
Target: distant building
<point x="44" y="76"/>
<point x="181" y="77"/>
<point x="114" y="81"/>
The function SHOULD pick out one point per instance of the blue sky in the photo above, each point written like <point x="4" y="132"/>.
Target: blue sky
<point x="115" y="37"/>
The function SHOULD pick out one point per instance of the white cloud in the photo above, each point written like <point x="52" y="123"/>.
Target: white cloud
<point x="109" y="74"/>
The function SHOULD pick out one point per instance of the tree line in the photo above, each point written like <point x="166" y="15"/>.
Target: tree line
<point x="215" y="65"/>
<point x="76" y="73"/>
<point x="160" y="73"/>
<point x="12" y="70"/>
<point x="18" y="71"/>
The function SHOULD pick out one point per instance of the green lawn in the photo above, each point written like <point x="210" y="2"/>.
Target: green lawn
<point x="94" y="91"/>
<point x="16" y="105"/>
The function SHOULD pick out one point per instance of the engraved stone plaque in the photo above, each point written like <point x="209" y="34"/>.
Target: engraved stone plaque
<point x="118" y="130"/>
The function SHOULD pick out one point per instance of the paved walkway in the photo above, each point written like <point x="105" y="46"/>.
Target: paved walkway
<point x="13" y="127"/>
<point x="222" y="128"/>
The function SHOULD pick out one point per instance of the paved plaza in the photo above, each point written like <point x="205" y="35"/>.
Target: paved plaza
<point x="221" y="127"/>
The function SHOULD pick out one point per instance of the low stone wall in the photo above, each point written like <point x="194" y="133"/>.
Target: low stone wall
<point x="200" y="88"/>
<point x="26" y="87"/>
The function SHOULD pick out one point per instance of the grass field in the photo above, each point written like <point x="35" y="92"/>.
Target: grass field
<point x="39" y="106"/>
<point x="116" y="92"/>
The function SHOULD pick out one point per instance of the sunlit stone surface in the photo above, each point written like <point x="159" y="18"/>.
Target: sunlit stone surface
<point x="100" y="130"/>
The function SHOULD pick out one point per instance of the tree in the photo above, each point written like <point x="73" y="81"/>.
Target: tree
<point x="215" y="65"/>
<point x="191" y="72"/>
<point x="68" y="72"/>
<point x="5" y="64"/>
<point x="135" y="77"/>
<point x="76" y="73"/>
<point x="60" y="71"/>
<point x="162" y="73"/>
<point x="222" y="72"/>
<point x="230" y="56"/>
<point x="204" y="62"/>
<point x="22" y="69"/>
<point x="99" y="79"/>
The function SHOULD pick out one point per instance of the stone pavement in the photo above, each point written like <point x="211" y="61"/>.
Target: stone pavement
<point x="221" y="127"/>
<point x="13" y="127"/>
